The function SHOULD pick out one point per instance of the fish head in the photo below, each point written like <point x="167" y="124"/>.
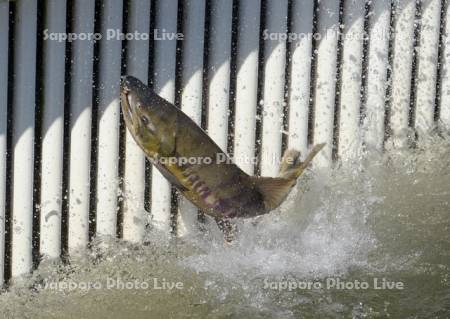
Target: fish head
<point x="146" y="116"/>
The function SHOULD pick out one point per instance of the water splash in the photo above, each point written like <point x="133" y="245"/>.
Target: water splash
<point x="386" y="217"/>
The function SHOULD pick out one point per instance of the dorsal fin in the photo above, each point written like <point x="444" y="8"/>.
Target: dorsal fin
<point x="273" y="189"/>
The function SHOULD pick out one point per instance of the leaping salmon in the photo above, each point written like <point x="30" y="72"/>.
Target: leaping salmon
<point x="170" y="139"/>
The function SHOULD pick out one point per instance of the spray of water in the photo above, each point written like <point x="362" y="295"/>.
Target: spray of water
<point x="386" y="217"/>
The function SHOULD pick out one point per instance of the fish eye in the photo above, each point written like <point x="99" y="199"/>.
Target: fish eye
<point x="145" y="120"/>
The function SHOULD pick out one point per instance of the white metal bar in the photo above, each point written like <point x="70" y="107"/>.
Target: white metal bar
<point x="23" y="135"/>
<point x="80" y="128"/>
<point x="427" y="65"/>
<point x="52" y="127"/>
<point x="219" y="71"/>
<point x="134" y="217"/>
<point x="4" y="25"/>
<point x="108" y="123"/>
<point x="444" y="114"/>
<point x="193" y="44"/>
<point x="165" y="60"/>
<point x="402" y="71"/>
<point x="247" y="84"/>
<point x="379" y="34"/>
<point x="325" y="85"/>
<point x="192" y="86"/>
<point x="300" y="74"/>
<point x="274" y="82"/>
<point x="350" y="141"/>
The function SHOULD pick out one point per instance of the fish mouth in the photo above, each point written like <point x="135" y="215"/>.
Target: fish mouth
<point x="131" y="91"/>
<point x="133" y="94"/>
<point x="126" y="104"/>
<point x="128" y="108"/>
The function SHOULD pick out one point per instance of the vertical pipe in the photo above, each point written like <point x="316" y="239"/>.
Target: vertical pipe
<point x="80" y="125"/>
<point x="402" y="71"/>
<point x="444" y="115"/>
<point x="300" y="74"/>
<point x="192" y="86"/>
<point x="164" y="61"/>
<point x="247" y="84"/>
<point x="379" y="35"/>
<point x="134" y="217"/>
<point x="108" y="125"/>
<point x="219" y="71"/>
<point x="427" y="65"/>
<point x="350" y="141"/>
<point x="4" y="25"/>
<point x="53" y="126"/>
<point x="23" y="135"/>
<point x="325" y="85"/>
<point x="274" y="85"/>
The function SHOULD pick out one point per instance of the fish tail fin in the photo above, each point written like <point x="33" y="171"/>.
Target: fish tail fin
<point x="289" y="162"/>
<point x="275" y="189"/>
<point x="291" y="166"/>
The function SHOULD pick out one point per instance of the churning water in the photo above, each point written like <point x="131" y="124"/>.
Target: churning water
<point x="368" y="241"/>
